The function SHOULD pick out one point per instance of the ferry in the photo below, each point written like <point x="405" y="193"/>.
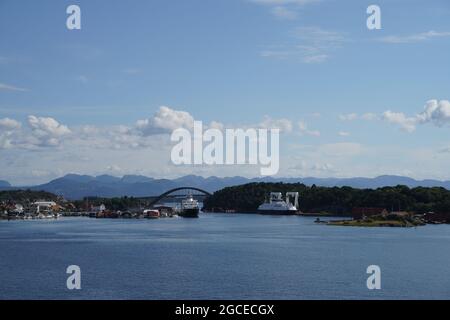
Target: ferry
<point x="277" y="206"/>
<point x="189" y="207"/>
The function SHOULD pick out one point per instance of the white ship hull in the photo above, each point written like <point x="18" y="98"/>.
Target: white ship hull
<point x="277" y="206"/>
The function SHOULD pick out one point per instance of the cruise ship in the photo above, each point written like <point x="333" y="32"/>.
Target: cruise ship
<point x="277" y="206"/>
<point x="189" y="207"/>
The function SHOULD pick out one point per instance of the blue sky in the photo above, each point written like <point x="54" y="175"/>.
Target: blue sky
<point x="230" y="61"/>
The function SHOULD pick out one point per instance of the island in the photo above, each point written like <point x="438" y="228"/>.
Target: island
<point x="406" y="220"/>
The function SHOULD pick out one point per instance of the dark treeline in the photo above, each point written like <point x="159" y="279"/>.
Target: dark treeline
<point x="247" y="198"/>
<point x="26" y="196"/>
<point x="122" y="203"/>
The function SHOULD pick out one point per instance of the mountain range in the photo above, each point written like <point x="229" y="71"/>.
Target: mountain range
<point x="73" y="186"/>
<point x="4" y="184"/>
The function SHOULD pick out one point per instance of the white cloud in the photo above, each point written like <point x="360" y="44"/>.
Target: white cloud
<point x="355" y="116"/>
<point x="46" y="131"/>
<point x="344" y="133"/>
<point x="7" y="124"/>
<point x="114" y="168"/>
<point x="8" y="128"/>
<point x="285" y="125"/>
<point x="165" y="120"/>
<point x="413" y="38"/>
<point x="435" y="112"/>
<point x="8" y="87"/>
<point x="407" y="124"/>
<point x="40" y="132"/>
<point x="122" y="149"/>
<point x="88" y="149"/>
<point x="303" y="127"/>
<point x="348" y="117"/>
<point x="325" y="167"/>
<point x="284" y="9"/>
<point x="369" y="116"/>
<point x="216" y="125"/>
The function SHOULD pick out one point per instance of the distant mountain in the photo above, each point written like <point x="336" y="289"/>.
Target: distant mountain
<point x="107" y="179"/>
<point x="136" y="179"/>
<point x="73" y="186"/>
<point x="4" y="184"/>
<point x="372" y="183"/>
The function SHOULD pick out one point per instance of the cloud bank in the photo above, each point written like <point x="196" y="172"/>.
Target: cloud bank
<point x="435" y="112"/>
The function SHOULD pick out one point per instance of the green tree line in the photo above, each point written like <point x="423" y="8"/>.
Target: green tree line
<point x="336" y="200"/>
<point x="117" y="203"/>
<point x="26" y="196"/>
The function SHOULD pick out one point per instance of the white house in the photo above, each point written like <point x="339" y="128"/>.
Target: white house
<point x="100" y="208"/>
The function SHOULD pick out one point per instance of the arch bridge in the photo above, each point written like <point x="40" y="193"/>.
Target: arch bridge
<point x="177" y="193"/>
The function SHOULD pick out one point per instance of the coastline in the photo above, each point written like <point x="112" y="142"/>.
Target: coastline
<point x="375" y="224"/>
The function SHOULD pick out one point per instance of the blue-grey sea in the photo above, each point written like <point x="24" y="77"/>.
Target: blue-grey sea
<point x="220" y="256"/>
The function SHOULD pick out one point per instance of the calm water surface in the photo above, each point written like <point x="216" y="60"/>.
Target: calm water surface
<point x="220" y="257"/>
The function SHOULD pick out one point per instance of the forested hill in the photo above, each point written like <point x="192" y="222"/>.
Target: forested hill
<point x="337" y="200"/>
<point x="21" y="196"/>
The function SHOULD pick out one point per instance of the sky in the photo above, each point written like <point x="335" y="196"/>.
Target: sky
<point x="104" y="99"/>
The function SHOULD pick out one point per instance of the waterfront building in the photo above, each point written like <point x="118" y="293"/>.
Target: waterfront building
<point x="99" y="208"/>
<point x="44" y="206"/>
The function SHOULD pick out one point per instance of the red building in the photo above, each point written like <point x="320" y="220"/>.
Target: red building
<point x="432" y="217"/>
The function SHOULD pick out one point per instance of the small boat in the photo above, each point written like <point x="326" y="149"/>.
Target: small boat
<point x="151" y="214"/>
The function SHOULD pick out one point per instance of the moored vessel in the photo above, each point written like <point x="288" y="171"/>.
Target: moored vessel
<point x="151" y="214"/>
<point x="277" y="206"/>
<point x="189" y="207"/>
